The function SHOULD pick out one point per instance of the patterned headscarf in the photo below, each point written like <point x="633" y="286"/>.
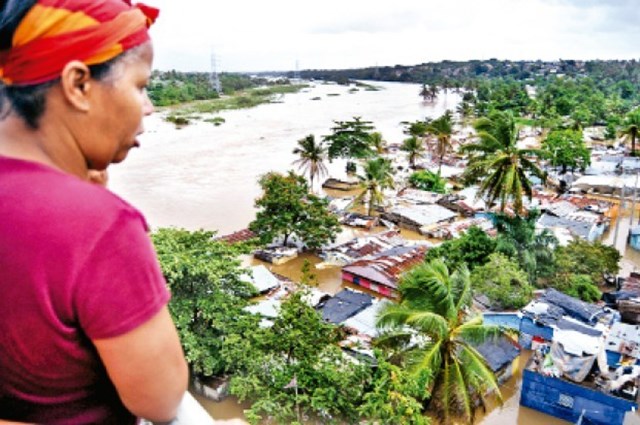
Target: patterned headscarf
<point x="55" y="32"/>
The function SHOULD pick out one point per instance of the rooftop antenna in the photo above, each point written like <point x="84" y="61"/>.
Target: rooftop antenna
<point x="215" y="78"/>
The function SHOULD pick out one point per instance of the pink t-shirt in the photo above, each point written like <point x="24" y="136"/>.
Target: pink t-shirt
<point x="76" y="264"/>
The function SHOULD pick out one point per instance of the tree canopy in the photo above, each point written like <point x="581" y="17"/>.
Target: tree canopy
<point x="566" y="148"/>
<point x="350" y="139"/>
<point x="287" y="208"/>
<point x="208" y="293"/>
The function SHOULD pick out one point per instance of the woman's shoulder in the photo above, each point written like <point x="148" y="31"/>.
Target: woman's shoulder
<point x="37" y="189"/>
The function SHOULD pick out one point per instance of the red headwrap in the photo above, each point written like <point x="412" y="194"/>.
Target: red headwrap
<point x="55" y="32"/>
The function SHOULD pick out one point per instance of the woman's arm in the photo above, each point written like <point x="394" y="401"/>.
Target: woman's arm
<point x="147" y="367"/>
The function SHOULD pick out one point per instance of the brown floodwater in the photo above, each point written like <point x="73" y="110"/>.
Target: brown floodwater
<point x="203" y="176"/>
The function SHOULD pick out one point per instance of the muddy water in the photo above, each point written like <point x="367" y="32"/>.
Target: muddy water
<point x="204" y="176"/>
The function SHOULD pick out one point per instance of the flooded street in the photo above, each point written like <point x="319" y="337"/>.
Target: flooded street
<point x="203" y="176"/>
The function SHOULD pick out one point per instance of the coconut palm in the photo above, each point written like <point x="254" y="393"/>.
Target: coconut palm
<point x="414" y="148"/>
<point x="377" y="176"/>
<point x="436" y="338"/>
<point x="378" y="143"/>
<point x="312" y="157"/>
<point x="441" y="128"/>
<point x="631" y="129"/>
<point x="498" y="163"/>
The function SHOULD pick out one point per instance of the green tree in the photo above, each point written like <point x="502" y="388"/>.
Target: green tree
<point x="296" y="368"/>
<point x="414" y="148"/>
<point x="350" y="139"/>
<point x="208" y="294"/>
<point x="377" y="176"/>
<point x="580" y="257"/>
<point x="503" y="282"/>
<point x="308" y="277"/>
<point x="499" y="164"/>
<point x="394" y="398"/>
<point x="518" y="239"/>
<point x="378" y="143"/>
<point x="287" y="208"/>
<point x="472" y="249"/>
<point x="567" y="149"/>
<point x="631" y="128"/>
<point x="433" y="307"/>
<point x="312" y="157"/>
<point x="442" y="129"/>
<point x="428" y="180"/>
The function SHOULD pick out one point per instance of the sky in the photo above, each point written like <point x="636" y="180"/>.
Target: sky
<point x="282" y="35"/>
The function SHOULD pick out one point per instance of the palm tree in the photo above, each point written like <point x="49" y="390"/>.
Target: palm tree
<point x="436" y="337"/>
<point x="378" y="143"/>
<point x="631" y="129"/>
<point x="414" y="148"/>
<point x="496" y="160"/>
<point x="312" y="157"/>
<point x="377" y="176"/>
<point x="442" y="128"/>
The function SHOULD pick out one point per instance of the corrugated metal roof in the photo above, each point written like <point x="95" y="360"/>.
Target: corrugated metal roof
<point x="386" y="267"/>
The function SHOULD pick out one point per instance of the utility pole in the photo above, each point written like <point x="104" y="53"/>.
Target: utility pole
<point x="633" y="203"/>
<point x="619" y="217"/>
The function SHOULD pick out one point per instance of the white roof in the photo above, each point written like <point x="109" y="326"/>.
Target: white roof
<point x="425" y="215"/>
<point x="266" y="308"/>
<point x="365" y="321"/>
<point x="261" y="278"/>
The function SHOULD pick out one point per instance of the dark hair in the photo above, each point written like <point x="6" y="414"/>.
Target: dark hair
<point x="29" y="102"/>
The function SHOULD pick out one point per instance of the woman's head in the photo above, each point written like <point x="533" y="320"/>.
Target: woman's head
<point x="86" y="63"/>
<point x="37" y="38"/>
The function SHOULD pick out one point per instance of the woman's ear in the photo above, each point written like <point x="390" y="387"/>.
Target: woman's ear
<point x="75" y="81"/>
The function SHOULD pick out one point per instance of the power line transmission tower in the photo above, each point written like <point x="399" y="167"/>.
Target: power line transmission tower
<point x="296" y="74"/>
<point x="215" y="78"/>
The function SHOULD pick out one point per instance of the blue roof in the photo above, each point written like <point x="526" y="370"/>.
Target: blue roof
<point x="498" y="353"/>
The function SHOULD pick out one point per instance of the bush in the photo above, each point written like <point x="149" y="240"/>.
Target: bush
<point x="427" y="180"/>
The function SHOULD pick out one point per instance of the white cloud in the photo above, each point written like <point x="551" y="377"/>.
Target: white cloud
<point x="273" y="35"/>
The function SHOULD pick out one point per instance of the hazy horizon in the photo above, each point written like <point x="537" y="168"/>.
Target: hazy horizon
<point x="277" y="35"/>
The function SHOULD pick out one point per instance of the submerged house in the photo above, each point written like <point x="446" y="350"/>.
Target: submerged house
<point x="343" y="305"/>
<point x="500" y="355"/>
<point x="571" y="374"/>
<point x="381" y="272"/>
<point x="420" y="216"/>
<point x="358" y="248"/>
<point x="634" y="237"/>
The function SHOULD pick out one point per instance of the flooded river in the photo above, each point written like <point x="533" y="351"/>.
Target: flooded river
<point x="203" y="176"/>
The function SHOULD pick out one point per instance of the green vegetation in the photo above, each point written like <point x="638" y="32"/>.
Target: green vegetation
<point x="428" y="180"/>
<point x="414" y="148"/>
<point x="433" y="305"/>
<point x="376" y="177"/>
<point x="631" y="128"/>
<point x="312" y="156"/>
<point x="472" y="249"/>
<point x="566" y="149"/>
<point x="208" y="294"/>
<point x="215" y="121"/>
<point x="287" y="208"/>
<point x="502" y="280"/>
<point x="350" y="139"/>
<point x="499" y="165"/>
<point x="296" y="368"/>
<point x="442" y="129"/>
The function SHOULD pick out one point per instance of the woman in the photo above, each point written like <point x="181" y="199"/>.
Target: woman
<point x="85" y="334"/>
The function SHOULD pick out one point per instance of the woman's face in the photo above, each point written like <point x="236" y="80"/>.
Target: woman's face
<point x="120" y="103"/>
